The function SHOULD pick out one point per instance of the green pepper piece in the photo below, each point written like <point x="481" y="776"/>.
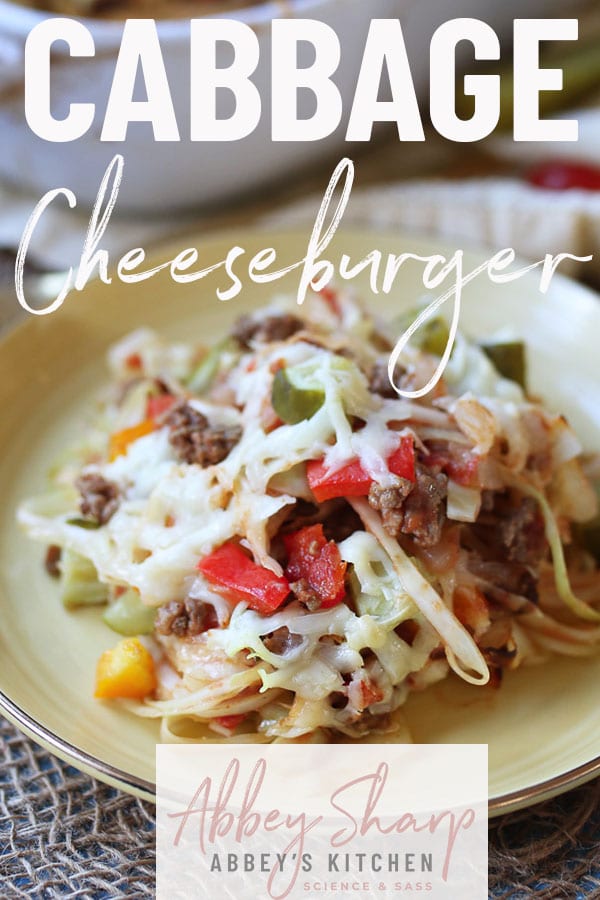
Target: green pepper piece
<point x="431" y="337"/>
<point x="508" y="358"/>
<point x="291" y="403"/>
<point x="434" y="336"/>
<point x="80" y="585"/>
<point x="88" y="524"/>
<point x="129" y="616"/>
<point x="205" y="373"/>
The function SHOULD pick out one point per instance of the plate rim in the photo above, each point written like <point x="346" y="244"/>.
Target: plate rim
<point x="72" y="754"/>
<point x="144" y="789"/>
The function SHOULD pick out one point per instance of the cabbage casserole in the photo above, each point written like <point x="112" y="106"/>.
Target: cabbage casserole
<point x="287" y="548"/>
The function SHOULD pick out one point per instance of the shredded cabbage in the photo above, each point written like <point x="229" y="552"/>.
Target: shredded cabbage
<point x="423" y="593"/>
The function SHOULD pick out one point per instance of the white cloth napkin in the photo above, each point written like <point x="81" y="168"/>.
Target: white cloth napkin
<point x="483" y="212"/>
<point x="60" y="232"/>
<point x="491" y="213"/>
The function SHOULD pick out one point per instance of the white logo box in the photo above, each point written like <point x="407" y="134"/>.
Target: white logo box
<point x="253" y="821"/>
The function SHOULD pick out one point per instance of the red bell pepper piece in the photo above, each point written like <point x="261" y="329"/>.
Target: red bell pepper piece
<point x="402" y="460"/>
<point x="330" y="296"/>
<point x="158" y="404"/>
<point x="317" y="561"/>
<point x="461" y="466"/>
<point x="369" y="693"/>
<point x="134" y="361"/>
<point x="238" y="578"/>
<point x="563" y="176"/>
<point x="349" y="481"/>
<point x="352" y="480"/>
<point x="230" y="722"/>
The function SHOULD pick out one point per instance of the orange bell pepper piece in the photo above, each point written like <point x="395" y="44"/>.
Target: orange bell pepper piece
<point x="127" y="670"/>
<point x="120" y="441"/>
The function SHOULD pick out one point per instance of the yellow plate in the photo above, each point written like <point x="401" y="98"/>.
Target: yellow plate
<point x="542" y="726"/>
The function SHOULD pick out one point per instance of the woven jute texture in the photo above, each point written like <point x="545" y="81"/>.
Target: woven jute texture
<point x="63" y="834"/>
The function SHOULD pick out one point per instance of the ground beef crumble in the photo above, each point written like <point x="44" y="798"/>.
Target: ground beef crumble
<point x="52" y="560"/>
<point x="305" y="594"/>
<point x="522" y="531"/>
<point x="281" y="641"/>
<point x="379" y="379"/>
<point x="425" y="507"/>
<point x="99" y="497"/>
<point x="195" y="440"/>
<point x="511" y="527"/>
<point x="185" y="618"/>
<point x="503" y="577"/>
<point x="269" y="328"/>
<point x="416" y="509"/>
<point x="389" y="501"/>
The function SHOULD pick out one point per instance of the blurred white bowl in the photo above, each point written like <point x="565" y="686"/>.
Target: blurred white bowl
<point x="184" y="174"/>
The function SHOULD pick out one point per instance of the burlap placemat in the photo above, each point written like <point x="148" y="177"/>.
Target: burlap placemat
<point x="63" y="834"/>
